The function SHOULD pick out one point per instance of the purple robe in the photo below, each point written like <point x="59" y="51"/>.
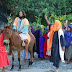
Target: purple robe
<point x="41" y="45"/>
<point x="33" y="32"/>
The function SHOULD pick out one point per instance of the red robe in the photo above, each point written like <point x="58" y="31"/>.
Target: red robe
<point x="45" y="45"/>
<point x="4" y="61"/>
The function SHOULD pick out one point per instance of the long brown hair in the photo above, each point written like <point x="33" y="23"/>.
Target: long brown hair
<point x="24" y="14"/>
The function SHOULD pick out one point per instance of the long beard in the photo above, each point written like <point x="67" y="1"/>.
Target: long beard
<point x="21" y="17"/>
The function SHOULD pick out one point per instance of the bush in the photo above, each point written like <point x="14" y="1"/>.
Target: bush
<point x="35" y="8"/>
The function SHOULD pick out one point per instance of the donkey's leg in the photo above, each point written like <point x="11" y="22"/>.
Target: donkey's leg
<point x="19" y="60"/>
<point x="26" y="47"/>
<point x="10" y="50"/>
<point x="12" y="61"/>
<point x="31" y="58"/>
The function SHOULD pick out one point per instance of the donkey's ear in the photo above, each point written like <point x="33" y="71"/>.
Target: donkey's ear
<point x="4" y="25"/>
<point x="9" y="27"/>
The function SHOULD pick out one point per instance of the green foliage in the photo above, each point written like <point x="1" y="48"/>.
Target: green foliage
<point x="45" y="11"/>
<point x="61" y="18"/>
<point x="9" y="20"/>
<point x="64" y="17"/>
<point x="36" y="7"/>
<point x="38" y="20"/>
<point x="33" y="24"/>
<point x="69" y="17"/>
<point x="43" y="29"/>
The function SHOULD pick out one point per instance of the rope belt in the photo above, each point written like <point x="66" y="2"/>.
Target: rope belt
<point x="1" y="47"/>
<point x="2" y="51"/>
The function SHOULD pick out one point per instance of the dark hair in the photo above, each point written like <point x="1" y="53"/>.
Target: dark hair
<point x="50" y="26"/>
<point x="69" y="27"/>
<point x="24" y="14"/>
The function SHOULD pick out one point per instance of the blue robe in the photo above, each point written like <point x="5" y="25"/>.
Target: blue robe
<point x="37" y="41"/>
<point x="68" y="36"/>
<point x="55" y="48"/>
<point x="24" y="29"/>
<point x="33" y="32"/>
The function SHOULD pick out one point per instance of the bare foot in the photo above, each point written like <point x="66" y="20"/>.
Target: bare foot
<point x="25" y="61"/>
<point x="57" y="69"/>
<point x="41" y="58"/>
<point x="68" y="61"/>
<point x="3" y="70"/>
<point x="26" y="56"/>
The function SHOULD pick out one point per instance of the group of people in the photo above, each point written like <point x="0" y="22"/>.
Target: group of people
<point x="56" y="44"/>
<point x="60" y="41"/>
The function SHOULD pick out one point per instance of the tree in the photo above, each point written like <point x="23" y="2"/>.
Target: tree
<point x="35" y="8"/>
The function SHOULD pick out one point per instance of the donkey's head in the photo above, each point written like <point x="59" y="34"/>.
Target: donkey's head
<point x="7" y="33"/>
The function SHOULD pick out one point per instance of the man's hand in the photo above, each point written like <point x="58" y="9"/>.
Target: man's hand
<point x="45" y="17"/>
<point x="63" y="48"/>
<point x="17" y="33"/>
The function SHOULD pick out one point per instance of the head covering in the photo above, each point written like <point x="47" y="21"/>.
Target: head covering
<point x="57" y="25"/>
<point x="68" y="36"/>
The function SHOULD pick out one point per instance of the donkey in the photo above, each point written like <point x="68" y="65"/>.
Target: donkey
<point x="16" y="44"/>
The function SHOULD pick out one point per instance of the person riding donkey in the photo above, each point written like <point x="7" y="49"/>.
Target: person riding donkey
<point x="21" y="28"/>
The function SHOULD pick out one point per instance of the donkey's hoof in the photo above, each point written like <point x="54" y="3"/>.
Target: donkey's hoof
<point x="19" y="69"/>
<point x="11" y="69"/>
<point x="30" y="63"/>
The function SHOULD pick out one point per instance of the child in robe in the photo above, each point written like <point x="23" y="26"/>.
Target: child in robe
<point x="4" y="61"/>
